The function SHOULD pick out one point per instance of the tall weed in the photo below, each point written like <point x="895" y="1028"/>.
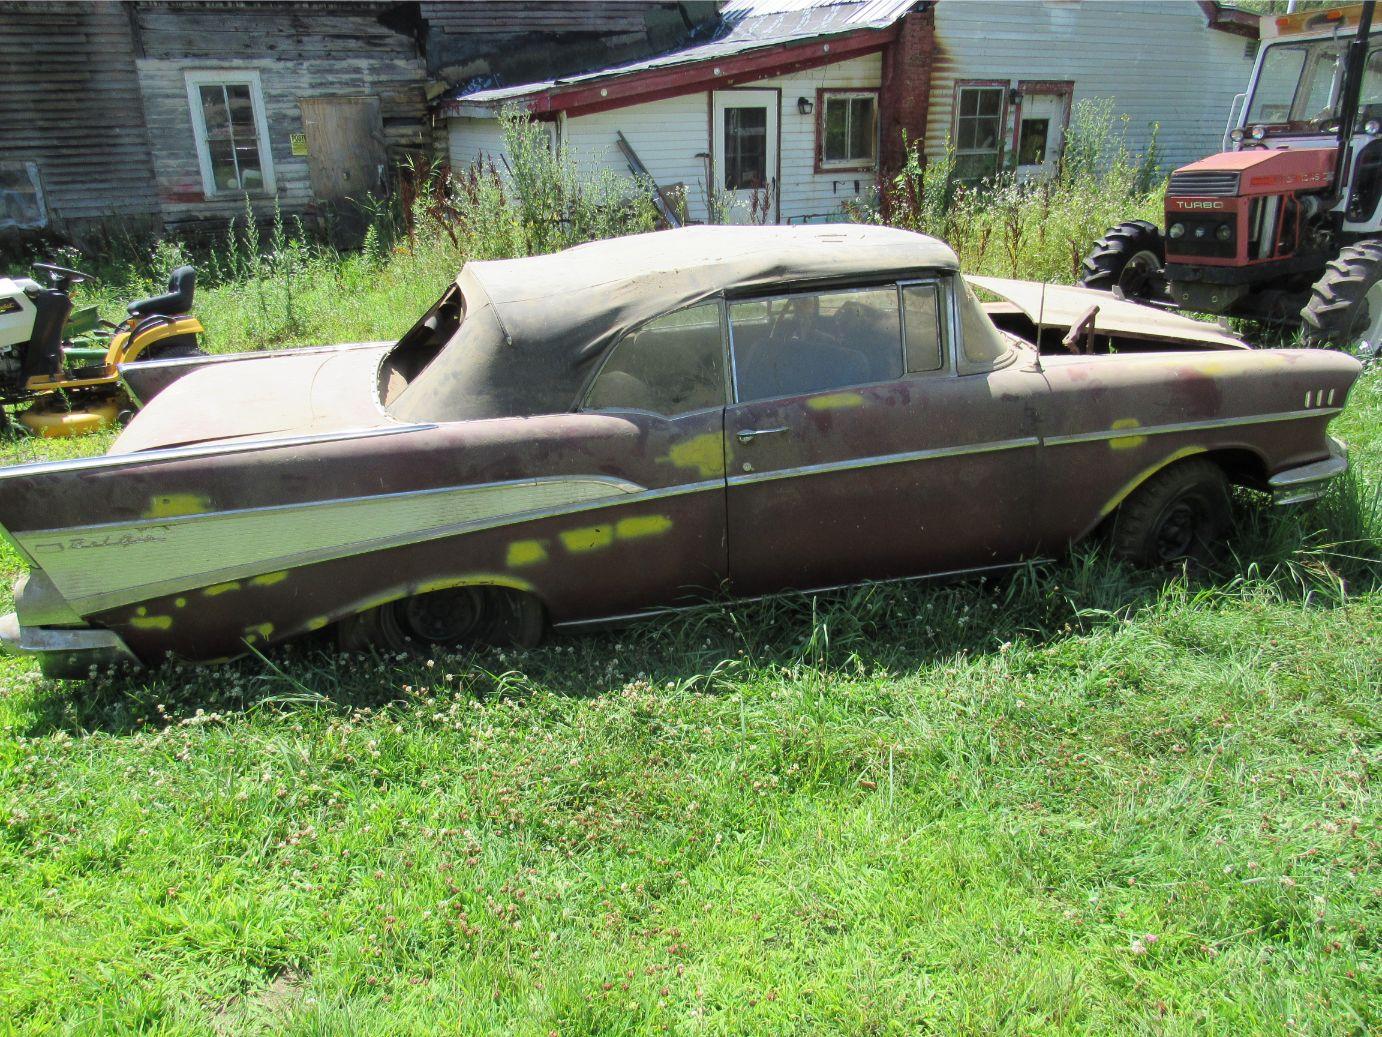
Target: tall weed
<point x="1037" y="229"/>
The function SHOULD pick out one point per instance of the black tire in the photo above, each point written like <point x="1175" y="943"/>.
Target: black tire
<point x="456" y="618"/>
<point x="1180" y="514"/>
<point x="1338" y="313"/>
<point x="1130" y="257"/>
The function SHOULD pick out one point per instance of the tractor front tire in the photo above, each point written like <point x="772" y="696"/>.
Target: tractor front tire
<point x="1346" y="302"/>
<point x="1130" y="257"/>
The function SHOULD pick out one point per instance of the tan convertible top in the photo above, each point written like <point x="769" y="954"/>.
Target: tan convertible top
<point x="534" y="326"/>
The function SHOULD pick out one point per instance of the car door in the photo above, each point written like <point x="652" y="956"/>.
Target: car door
<point x="656" y="410"/>
<point x="866" y="441"/>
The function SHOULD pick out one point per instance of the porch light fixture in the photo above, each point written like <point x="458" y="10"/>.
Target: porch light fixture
<point x="805" y="105"/>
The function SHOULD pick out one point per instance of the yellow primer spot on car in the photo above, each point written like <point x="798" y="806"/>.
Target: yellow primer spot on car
<point x="180" y="603"/>
<point x="221" y="588"/>
<point x="704" y="453"/>
<point x="317" y="622"/>
<point x="1146" y="474"/>
<point x="588" y="538"/>
<point x="269" y="579"/>
<point x="526" y="552"/>
<point x="642" y="526"/>
<point x="259" y="630"/>
<point x="170" y="505"/>
<point x="143" y="622"/>
<point x="1126" y="442"/>
<point x="836" y="401"/>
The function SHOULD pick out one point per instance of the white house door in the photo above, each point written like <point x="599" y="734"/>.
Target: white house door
<point x="743" y="153"/>
<point x="1041" y="125"/>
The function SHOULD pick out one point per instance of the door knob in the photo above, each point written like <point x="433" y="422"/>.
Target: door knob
<point x="748" y="435"/>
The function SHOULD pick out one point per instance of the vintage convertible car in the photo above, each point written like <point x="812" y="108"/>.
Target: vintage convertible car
<point x="641" y="423"/>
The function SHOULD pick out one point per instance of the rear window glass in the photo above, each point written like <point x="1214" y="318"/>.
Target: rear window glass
<point x="671" y="365"/>
<point x="798" y="344"/>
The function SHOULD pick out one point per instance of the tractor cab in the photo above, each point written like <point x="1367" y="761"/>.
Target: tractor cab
<point x="1253" y="231"/>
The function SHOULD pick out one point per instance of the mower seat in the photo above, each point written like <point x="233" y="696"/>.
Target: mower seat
<point x="182" y="285"/>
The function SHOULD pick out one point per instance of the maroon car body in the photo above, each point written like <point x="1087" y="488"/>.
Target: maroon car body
<point x="633" y="425"/>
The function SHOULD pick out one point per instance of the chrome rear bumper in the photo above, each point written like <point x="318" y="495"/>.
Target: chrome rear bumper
<point x="64" y="653"/>
<point x="1308" y="482"/>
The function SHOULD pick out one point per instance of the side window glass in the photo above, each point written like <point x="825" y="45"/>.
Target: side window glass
<point x="922" y="317"/>
<point x="671" y="365"/>
<point x="807" y="343"/>
<point x="983" y="344"/>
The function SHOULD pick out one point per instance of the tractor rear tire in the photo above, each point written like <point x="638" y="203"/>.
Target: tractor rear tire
<point x="1345" y="304"/>
<point x="1180" y="514"/>
<point x="1130" y="257"/>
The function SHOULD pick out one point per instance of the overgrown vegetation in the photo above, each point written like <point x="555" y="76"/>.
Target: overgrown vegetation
<point x="1039" y="229"/>
<point x="1079" y="800"/>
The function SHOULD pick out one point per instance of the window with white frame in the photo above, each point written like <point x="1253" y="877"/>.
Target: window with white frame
<point x="849" y="129"/>
<point x="978" y="129"/>
<point x="231" y="132"/>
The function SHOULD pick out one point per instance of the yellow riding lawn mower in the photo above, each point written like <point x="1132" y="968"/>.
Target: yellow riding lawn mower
<point x="66" y="365"/>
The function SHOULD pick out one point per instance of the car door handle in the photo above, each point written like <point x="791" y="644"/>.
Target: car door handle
<point x="748" y="435"/>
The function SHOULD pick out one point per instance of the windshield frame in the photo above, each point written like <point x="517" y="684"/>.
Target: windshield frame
<point x="1318" y="53"/>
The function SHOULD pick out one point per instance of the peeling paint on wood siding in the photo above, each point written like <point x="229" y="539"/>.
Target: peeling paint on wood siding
<point x="65" y="70"/>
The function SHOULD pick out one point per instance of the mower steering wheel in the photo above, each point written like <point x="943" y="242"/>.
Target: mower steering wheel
<point x="61" y="275"/>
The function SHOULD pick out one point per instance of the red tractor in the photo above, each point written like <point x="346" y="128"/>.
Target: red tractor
<point x="1287" y="226"/>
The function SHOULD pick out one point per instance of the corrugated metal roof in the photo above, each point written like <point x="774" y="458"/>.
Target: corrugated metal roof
<point x="744" y="25"/>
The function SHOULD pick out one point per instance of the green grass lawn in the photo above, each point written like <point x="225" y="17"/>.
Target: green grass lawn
<point x="1082" y="799"/>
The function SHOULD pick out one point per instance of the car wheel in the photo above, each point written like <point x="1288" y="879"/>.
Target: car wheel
<point x="455" y="618"/>
<point x="1179" y="514"/>
<point x="1345" y="306"/>
<point x="1130" y="258"/>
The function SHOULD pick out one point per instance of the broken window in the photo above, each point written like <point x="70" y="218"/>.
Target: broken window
<point x="671" y="365"/>
<point x="21" y="196"/>
<point x="978" y="130"/>
<point x="1031" y="145"/>
<point x="231" y="133"/>
<point x="849" y="129"/>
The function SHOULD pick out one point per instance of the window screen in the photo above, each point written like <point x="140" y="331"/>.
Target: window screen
<point x="799" y="344"/>
<point x="672" y="365"/>
<point x="921" y="310"/>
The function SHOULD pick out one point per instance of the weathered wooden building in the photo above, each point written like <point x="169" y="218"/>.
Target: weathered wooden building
<point x="799" y="105"/>
<point x="182" y="113"/>
<point x="185" y="113"/>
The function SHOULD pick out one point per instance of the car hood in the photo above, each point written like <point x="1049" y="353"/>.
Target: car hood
<point x="1060" y="306"/>
<point x="288" y="392"/>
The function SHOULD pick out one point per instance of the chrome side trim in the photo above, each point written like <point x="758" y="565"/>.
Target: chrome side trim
<point x="884" y="459"/>
<point x="1186" y="426"/>
<point x="135" y="555"/>
<point x="1309" y="482"/>
<point x="182" y="453"/>
<point x="630" y="617"/>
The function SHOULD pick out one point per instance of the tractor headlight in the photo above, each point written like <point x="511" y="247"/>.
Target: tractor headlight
<point x="1225" y="232"/>
<point x="1373" y="127"/>
<point x="1236" y="135"/>
<point x="1258" y="132"/>
<point x="1176" y="230"/>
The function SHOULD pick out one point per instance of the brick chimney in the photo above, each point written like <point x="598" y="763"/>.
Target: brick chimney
<point x="906" y="86"/>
